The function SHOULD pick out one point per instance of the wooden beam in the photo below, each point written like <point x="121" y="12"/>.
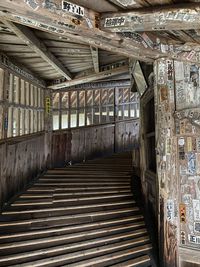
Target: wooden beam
<point x="90" y="78"/>
<point x="95" y="58"/>
<point x="184" y="17"/>
<point x="29" y="38"/>
<point x="53" y="19"/>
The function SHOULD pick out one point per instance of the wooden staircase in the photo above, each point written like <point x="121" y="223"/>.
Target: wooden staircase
<point x="81" y="215"/>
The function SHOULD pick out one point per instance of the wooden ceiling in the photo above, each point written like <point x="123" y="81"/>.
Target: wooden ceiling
<point x="55" y="44"/>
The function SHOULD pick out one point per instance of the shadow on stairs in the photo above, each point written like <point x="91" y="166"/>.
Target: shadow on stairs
<point x="81" y="215"/>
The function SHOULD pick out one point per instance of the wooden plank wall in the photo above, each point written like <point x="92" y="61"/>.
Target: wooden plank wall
<point x="22" y="159"/>
<point x="85" y="143"/>
<point x="81" y="144"/>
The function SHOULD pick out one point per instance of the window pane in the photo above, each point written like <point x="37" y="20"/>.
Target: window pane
<point x="73" y="100"/>
<point x="64" y="119"/>
<point x="16" y="90"/>
<point x="96" y="115"/>
<point x="73" y="118"/>
<point x="104" y="115"/>
<point x="81" y="117"/>
<point x="111" y="113"/>
<point x="89" y="116"/>
<point x="110" y="96"/>
<point x="126" y="111"/>
<point x="126" y="95"/>
<point x="104" y="100"/>
<point x="82" y="99"/>
<point x="56" y="100"/>
<point x="55" y="120"/>
<point x="97" y="97"/>
<point x="120" y="112"/>
<point x="120" y="95"/>
<point x="65" y="100"/>
<point x="27" y="89"/>
<point x="27" y="121"/>
<point x="15" y="125"/>
<point x="89" y="98"/>
<point x="133" y="110"/>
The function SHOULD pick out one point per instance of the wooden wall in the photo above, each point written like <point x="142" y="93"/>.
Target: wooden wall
<point x="22" y="159"/>
<point x="91" y="142"/>
<point x="81" y="144"/>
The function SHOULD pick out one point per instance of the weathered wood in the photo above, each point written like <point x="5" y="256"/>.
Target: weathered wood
<point x="27" y="36"/>
<point x="95" y="58"/>
<point x="49" y="19"/>
<point x="90" y="78"/>
<point x="167" y="18"/>
<point x="17" y="170"/>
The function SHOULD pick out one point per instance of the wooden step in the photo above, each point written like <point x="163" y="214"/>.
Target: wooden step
<point x="8" y="223"/>
<point x="67" y="253"/>
<point x="114" y="258"/>
<point x="16" y="247"/>
<point x="26" y="213"/>
<point x="53" y="201"/>
<point x="136" y="221"/>
<point x="143" y="261"/>
<point x="82" y="215"/>
<point x="58" y="195"/>
<point x="56" y="188"/>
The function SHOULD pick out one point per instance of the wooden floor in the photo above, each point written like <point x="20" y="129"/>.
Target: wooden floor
<point x="81" y="215"/>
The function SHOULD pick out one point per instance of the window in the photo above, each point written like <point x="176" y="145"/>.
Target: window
<point x="93" y="106"/>
<point x="21" y="107"/>
<point x="127" y="104"/>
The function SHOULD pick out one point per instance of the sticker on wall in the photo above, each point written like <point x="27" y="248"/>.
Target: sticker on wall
<point x="181" y="148"/>
<point x="72" y="8"/>
<point x="170" y="210"/>
<point x="47" y="105"/>
<point x="194" y="239"/>
<point x="183" y="238"/>
<point x="115" y="22"/>
<point x="196" y="209"/>
<point x="189" y="144"/>
<point x="191" y="163"/>
<point x="182" y="127"/>
<point x="197" y="227"/>
<point x="182" y="213"/>
<point x="163" y="93"/>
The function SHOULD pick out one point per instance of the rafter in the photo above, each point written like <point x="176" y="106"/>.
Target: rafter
<point x="52" y="19"/>
<point x="29" y="38"/>
<point x="95" y="58"/>
<point x="90" y="78"/>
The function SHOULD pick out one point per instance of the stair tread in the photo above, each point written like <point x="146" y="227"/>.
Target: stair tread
<point x="82" y="215"/>
<point x="64" y="256"/>
<point x="117" y="256"/>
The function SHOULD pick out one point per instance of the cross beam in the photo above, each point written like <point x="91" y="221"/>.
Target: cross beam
<point x="53" y="19"/>
<point x="90" y="78"/>
<point x="184" y="17"/>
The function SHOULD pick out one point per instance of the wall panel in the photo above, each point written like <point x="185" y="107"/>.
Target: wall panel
<point x="21" y="161"/>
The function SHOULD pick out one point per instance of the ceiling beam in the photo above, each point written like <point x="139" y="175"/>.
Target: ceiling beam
<point x="182" y="17"/>
<point x="30" y="39"/>
<point x="53" y="19"/>
<point x="95" y="58"/>
<point x="90" y="78"/>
